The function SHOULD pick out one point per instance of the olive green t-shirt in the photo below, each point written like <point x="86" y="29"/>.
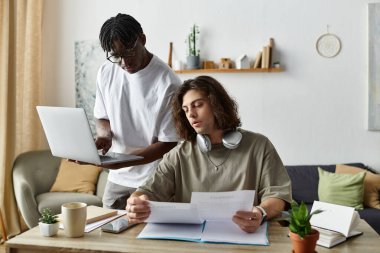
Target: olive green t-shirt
<point x="253" y="165"/>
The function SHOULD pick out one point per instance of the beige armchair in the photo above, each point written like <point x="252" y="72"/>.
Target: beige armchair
<point x="33" y="174"/>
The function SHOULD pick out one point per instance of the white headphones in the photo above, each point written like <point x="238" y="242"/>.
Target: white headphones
<point x="231" y="140"/>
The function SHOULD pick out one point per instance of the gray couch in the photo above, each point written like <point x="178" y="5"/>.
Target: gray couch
<point x="305" y="181"/>
<point x="33" y="174"/>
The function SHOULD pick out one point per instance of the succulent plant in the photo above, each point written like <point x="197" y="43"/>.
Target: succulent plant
<point x="48" y="217"/>
<point x="192" y="41"/>
<point x="299" y="219"/>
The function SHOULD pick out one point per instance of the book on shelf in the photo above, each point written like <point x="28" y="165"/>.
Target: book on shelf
<point x="206" y="218"/>
<point x="335" y="224"/>
<point x="270" y="48"/>
<point x="263" y="58"/>
<point x="257" y="60"/>
<point x="268" y="57"/>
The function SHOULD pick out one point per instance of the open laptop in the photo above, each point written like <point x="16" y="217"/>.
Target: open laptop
<point x="69" y="136"/>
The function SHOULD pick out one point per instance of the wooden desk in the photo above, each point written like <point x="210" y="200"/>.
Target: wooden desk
<point x="98" y="241"/>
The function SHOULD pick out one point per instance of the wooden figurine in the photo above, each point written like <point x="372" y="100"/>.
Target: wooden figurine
<point x="242" y="62"/>
<point x="225" y="63"/>
<point x="208" y="65"/>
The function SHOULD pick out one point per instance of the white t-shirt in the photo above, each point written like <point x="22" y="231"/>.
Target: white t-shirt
<point x="138" y="107"/>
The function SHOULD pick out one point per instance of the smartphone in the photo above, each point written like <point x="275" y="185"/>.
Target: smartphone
<point x="117" y="226"/>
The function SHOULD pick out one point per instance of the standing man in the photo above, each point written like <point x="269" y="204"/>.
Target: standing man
<point x="215" y="156"/>
<point x="132" y="106"/>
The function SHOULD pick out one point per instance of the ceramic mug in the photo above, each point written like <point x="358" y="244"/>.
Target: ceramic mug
<point x="74" y="216"/>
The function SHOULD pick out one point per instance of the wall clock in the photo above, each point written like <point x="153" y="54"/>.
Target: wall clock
<point x="328" y="45"/>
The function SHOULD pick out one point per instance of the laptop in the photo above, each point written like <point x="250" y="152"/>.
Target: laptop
<point x="69" y="136"/>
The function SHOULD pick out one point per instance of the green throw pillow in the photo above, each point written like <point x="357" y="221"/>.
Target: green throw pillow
<point x="341" y="189"/>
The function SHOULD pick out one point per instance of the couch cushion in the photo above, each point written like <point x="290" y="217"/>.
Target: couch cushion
<point x="305" y="180"/>
<point x="73" y="177"/>
<point x="341" y="189"/>
<point x="54" y="200"/>
<point x="371" y="184"/>
<point x="371" y="216"/>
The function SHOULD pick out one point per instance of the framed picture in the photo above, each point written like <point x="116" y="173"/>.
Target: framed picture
<point x="374" y="66"/>
<point x="88" y="57"/>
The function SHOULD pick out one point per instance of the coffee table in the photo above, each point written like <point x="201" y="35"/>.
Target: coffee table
<point x="97" y="241"/>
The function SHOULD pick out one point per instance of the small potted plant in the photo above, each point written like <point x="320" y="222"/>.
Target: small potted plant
<point x="48" y="223"/>
<point x="193" y="61"/>
<point x="303" y="237"/>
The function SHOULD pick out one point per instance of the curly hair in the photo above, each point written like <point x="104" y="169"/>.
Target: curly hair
<point x="122" y="27"/>
<point x="225" y="108"/>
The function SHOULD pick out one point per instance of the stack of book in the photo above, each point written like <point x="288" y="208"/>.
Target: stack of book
<point x="329" y="238"/>
<point x="335" y="224"/>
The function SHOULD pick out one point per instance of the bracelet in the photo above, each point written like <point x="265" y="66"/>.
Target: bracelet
<point x="263" y="214"/>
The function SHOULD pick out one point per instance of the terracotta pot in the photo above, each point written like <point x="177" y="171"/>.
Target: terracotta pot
<point x="306" y="244"/>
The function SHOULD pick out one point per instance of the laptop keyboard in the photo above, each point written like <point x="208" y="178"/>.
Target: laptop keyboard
<point x="104" y="158"/>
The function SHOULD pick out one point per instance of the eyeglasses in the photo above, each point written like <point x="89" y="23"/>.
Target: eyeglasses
<point x="128" y="52"/>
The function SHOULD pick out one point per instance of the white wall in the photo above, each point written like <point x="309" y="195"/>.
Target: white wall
<point x="314" y="112"/>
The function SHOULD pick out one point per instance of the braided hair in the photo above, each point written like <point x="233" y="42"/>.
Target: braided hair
<point x="123" y="28"/>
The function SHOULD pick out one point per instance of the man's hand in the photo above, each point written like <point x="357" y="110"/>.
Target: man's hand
<point x="104" y="135"/>
<point x="248" y="221"/>
<point x="138" y="208"/>
<point x="103" y="143"/>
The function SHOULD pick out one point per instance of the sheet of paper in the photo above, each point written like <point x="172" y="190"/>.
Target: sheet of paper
<point x="185" y="232"/>
<point x="222" y="205"/>
<point x="229" y="232"/>
<point x="170" y="212"/>
<point x="334" y="217"/>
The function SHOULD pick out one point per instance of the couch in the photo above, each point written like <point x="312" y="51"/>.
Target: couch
<point x="33" y="175"/>
<point x="305" y="179"/>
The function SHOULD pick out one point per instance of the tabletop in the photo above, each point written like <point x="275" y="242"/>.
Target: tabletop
<point x="98" y="241"/>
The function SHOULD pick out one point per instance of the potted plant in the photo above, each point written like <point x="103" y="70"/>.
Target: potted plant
<point x="303" y="237"/>
<point x="193" y="61"/>
<point x="48" y="223"/>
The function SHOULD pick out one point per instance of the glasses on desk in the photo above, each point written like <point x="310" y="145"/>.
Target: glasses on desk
<point x="128" y="53"/>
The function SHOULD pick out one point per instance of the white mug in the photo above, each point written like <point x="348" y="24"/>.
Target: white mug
<point x="74" y="216"/>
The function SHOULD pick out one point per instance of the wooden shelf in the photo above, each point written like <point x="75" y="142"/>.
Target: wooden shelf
<point x="199" y="71"/>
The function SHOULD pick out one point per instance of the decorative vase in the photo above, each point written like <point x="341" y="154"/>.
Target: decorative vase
<point x="306" y="244"/>
<point x="192" y="62"/>
<point x="48" y="229"/>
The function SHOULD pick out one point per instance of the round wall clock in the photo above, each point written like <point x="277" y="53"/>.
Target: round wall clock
<point x="328" y="45"/>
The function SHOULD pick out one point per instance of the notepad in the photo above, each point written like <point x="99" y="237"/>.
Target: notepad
<point x="206" y="219"/>
<point x="96" y="213"/>
<point x="209" y="231"/>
